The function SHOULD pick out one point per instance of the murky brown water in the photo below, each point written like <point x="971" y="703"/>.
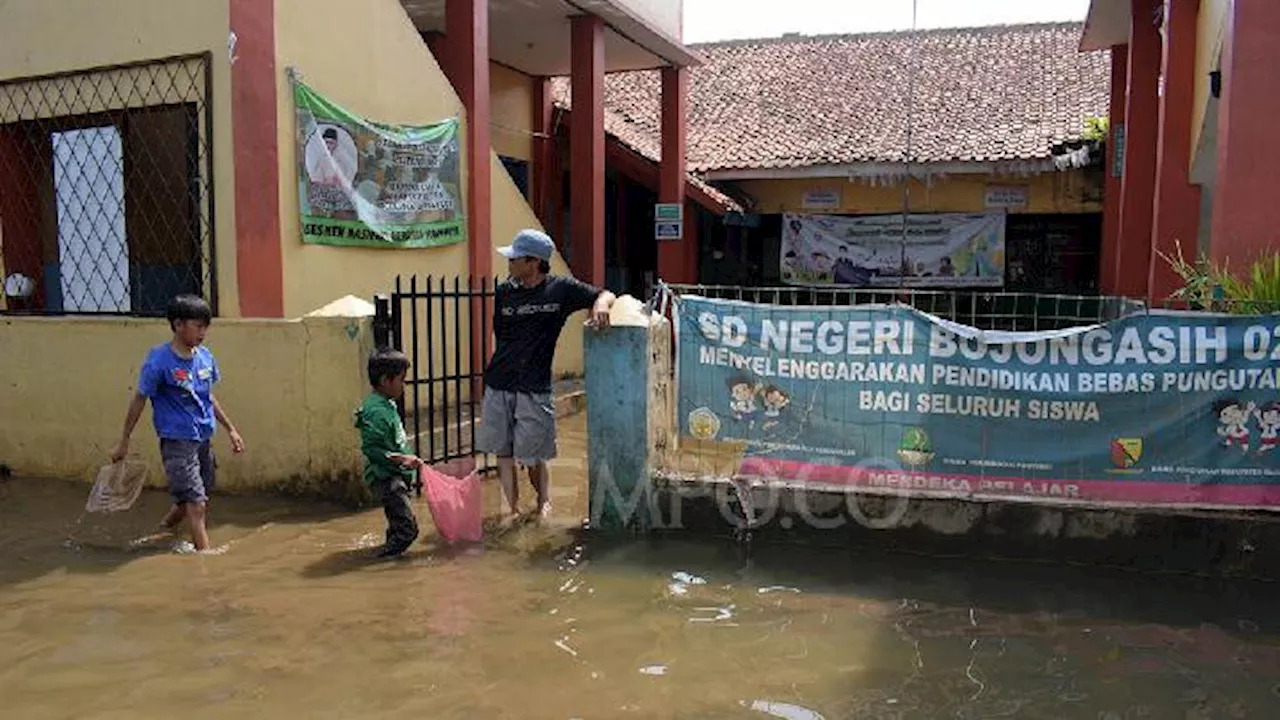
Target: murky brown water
<point x="293" y="621"/>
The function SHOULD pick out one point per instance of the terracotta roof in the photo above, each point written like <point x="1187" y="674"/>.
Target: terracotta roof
<point x="997" y="93"/>
<point x="648" y="146"/>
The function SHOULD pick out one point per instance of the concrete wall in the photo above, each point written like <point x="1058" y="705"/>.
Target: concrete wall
<point x="290" y="386"/>
<point x="42" y="37"/>
<point x="392" y="78"/>
<point x="1058" y="192"/>
<point x="511" y="104"/>
<point x="665" y="15"/>
<point x="1210" y="33"/>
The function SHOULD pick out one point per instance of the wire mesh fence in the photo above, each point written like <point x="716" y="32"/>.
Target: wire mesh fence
<point x="106" y="197"/>
<point x="985" y="310"/>
<point x="778" y="419"/>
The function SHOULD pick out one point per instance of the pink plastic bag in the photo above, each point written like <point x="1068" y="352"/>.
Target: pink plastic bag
<point x="454" y="502"/>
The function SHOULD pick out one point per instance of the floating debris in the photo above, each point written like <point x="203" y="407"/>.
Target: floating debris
<point x="653" y="670"/>
<point x="784" y="710"/>
<point x="777" y="588"/>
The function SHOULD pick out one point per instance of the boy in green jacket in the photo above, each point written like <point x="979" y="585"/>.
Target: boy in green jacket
<point x="389" y="468"/>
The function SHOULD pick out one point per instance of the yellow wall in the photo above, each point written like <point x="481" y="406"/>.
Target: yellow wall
<point x="289" y="386"/>
<point x="391" y="77"/>
<point x="384" y="72"/>
<point x="511" y="105"/>
<point x="1047" y="193"/>
<point x="1210" y="31"/>
<point x="41" y="37"/>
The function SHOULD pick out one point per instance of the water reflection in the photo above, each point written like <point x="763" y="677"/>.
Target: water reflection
<point x="294" y="619"/>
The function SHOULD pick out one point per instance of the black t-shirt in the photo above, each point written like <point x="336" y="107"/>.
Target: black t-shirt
<point x="526" y="324"/>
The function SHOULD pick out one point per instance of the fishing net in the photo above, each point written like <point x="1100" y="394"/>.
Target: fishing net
<point x="117" y="487"/>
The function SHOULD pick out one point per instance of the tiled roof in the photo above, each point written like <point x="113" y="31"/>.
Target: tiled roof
<point x="998" y="93"/>
<point x="646" y="145"/>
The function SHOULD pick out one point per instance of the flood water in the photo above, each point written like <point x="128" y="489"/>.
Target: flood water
<point x="293" y="620"/>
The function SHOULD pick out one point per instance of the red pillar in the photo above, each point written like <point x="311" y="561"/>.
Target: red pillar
<point x="1133" y="261"/>
<point x="1246" y="211"/>
<point x="543" y="147"/>
<point x="1111" y="198"/>
<point x="259" y="265"/>
<point x="1177" y="202"/>
<point x="673" y="257"/>
<point x="555" y="204"/>
<point x="467" y="63"/>
<point x="586" y="141"/>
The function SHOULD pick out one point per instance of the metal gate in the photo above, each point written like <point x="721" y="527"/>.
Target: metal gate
<point x="443" y="325"/>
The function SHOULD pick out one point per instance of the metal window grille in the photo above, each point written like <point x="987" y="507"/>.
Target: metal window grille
<point x="106" y="193"/>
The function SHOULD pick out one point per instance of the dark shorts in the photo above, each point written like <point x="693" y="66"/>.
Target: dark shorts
<point x="189" y="468"/>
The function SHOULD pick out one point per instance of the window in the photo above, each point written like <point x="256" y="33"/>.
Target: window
<point x="106" y="203"/>
<point x="88" y="189"/>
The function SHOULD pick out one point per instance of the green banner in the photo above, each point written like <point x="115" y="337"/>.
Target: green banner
<point x="368" y="184"/>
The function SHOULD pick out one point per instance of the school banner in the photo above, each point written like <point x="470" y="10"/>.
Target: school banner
<point x="937" y="250"/>
<point x="369" y="184"/>
<point x="1158" y="409"/>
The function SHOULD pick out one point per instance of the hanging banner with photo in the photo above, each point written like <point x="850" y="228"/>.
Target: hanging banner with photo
<point x="940" y="250"/>
<point x="368" y="184"/>
<point x="1151" y="409"/>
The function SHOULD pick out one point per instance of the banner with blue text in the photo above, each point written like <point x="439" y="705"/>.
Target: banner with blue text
<point x="1152" y="409"/>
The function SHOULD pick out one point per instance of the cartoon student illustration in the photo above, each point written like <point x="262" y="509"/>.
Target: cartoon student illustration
<point x="1268" y="426"/>
<point x="1233" y="419"/>
<point x="775" y="400"/>
<point x="742" y="399"/>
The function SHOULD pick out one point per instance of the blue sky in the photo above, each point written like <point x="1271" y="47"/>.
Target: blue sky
<point x="710" y="20"/>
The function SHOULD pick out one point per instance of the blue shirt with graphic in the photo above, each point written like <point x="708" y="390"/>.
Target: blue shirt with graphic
<point x="181" y="392"/>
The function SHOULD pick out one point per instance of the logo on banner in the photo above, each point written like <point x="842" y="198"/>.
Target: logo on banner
<point x="704" y="424"/>
<point x="915" y="449"/>
<point x="1126" y="452"/>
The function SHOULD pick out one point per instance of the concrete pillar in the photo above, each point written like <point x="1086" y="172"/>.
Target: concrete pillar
<point x="628" y="371"/>
<point x="586" y="143"/>
<point x="1177" y="201"/>
<point x="673" y="257"/>
<point x="259" y="261"/>
<point x="543" y="149"/>
<point x="1246" y="210"/>
<point x="1133" y="261"/>
<point x="466" y="62"/>
<point x="1115" y="159"/>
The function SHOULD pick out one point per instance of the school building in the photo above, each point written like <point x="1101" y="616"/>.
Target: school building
<point x="971" y="120"/>
<point x="1194" y="86"/>
<point x="148" y="148"/>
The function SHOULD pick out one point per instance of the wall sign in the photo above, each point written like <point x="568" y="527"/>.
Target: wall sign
<point x="821" y="199"/>
<point x="1008" y="197"/>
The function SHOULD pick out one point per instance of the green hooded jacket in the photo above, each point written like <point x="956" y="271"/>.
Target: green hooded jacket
<point x="381" y="432"/>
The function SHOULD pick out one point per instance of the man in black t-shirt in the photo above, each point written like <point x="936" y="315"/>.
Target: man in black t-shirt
<point x="518" y="416"/>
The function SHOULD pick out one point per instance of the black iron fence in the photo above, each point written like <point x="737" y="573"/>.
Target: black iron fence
<point x="443" y="326"/>
<point x="106" y="192"/>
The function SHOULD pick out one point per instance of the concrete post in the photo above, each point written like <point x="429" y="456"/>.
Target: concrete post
<point x="627" y="368"/>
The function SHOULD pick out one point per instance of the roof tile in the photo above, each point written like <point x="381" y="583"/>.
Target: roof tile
<point x="993" y="93"/>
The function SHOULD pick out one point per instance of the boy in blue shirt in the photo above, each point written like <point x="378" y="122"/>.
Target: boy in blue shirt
<point x="178" y="378"/>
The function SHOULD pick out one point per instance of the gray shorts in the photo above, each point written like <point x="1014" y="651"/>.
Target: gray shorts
<point x="517" y="425"/>
<point x="188" y="466"/>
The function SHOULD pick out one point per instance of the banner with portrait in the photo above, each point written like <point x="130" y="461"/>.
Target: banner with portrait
<point x="929" y="250"/>
<point x="371" y="184"/>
